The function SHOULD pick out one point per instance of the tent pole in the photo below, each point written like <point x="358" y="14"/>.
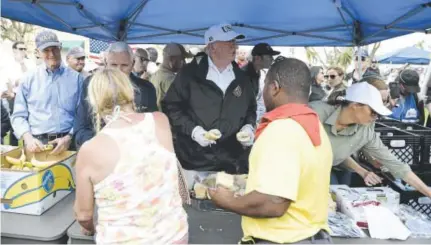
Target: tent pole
<point x="90" y="17"/>
<point x="397" y="28"/>
<point x="132" y="18"/>
<point x="122" y="32"/>
<point x="170" y="31"/>
<point x="339" y="8"/>
<point x="54" y="16"/>
<point x="290" y="33"/>
<point x="359" y="63"/>
<point x="401" y="18"/>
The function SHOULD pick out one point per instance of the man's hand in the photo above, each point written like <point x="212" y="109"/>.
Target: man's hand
<point x="371" y="179"/>
<point x="86" y="232"/>
<point x="8" y="95"/>
<point x="32" y="144"/>
<point x="246" y="135"/>
<point x="62" y="144"/>
<point x="199" y="135"/>
<point x="221" y="196"/>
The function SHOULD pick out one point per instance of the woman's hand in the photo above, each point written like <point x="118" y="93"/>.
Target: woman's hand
<point x="371" y="179"/>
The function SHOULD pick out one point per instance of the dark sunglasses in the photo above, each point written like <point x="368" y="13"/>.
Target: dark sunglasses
<point x="362" y="58"/>
<point x="330" y="76"/>
<point x="143" y="59"/>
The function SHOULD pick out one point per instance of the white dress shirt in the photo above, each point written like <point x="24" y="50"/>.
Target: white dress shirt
<point x="221" y="79"/>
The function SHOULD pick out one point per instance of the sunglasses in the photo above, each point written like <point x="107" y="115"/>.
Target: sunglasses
<point x="362" y="58"/>
<point x="143" y="59"/>
<point x="330" y="76"/>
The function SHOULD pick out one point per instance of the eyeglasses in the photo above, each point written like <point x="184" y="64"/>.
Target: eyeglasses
<point x="330" y="76"/>
<point x="362" y="58"/>
<point x="22" y="49"/>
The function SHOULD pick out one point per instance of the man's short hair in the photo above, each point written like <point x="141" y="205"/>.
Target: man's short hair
<point x="119" y="47"/>
<point x="293" y="75"/>
<point x="15" y="44"/>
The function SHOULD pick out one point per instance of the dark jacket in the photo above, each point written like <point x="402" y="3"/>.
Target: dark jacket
<point x="192" y="101"/>
<point x="253" y="75"/>
<point x="317" y="92"/>
<point x="5" y="122"/>
<point x="145" y="101"/>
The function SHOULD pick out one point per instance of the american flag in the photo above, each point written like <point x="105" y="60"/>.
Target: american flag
<point x="96" y="47"/>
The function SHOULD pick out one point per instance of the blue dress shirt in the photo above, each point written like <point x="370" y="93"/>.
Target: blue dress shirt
<point x="46" y="101"/>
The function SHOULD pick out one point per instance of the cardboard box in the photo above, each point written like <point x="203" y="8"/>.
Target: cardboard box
<point x="352" y="200"/>
<point x="35" y="191"/>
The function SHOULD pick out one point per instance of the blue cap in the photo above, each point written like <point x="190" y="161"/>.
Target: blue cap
<point x="362" y="53"/>
<point x="46" y="39"/>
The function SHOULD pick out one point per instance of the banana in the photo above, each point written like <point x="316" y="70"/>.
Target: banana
<point x="15" y="167"/>
<point x="26" y="169"/>
<point x="22" y="158"/>
<point x="13" y="161"/>
<point x="27" y="164"/>
<point x="242" y="137"/>
<point x="40" y="164"/>
<point x="213" y="134"/>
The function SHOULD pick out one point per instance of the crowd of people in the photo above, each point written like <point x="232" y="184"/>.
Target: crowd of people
<point x="142" y="137"/>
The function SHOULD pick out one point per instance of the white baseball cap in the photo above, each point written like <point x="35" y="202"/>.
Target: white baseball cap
<point x="221" y="32"/>
<point x="367" y="94"/>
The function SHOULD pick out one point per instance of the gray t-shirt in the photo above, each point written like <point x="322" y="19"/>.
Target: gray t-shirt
<point x="354" y="138"/>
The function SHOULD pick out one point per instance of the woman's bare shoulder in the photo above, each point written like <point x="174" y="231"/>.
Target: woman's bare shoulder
<point x="97" y="151"/>
<point x="161" y="119"/>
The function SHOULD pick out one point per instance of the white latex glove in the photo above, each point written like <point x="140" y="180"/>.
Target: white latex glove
<point x="200" y="135"/>
<point x="246" y="135"/>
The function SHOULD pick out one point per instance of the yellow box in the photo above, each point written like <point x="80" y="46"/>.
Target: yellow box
<point x="36" y="190"/>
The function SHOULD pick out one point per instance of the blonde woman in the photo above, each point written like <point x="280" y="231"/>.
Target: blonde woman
<point x="129" y="168"/>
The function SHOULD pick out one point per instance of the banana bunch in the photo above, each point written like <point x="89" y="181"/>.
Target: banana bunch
<point x="21" y="163"/>
<point x="213" y="134"/>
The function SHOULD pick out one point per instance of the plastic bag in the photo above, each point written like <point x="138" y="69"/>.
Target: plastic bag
<point x="419" y="224"/>
<point x="341" y="225"/>
<point x="384" y="224"/>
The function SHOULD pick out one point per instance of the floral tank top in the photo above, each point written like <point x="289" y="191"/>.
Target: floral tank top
<point x="139" y="202"/>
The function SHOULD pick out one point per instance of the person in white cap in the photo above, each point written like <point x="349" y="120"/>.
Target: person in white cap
<point x="75" y="58"/>
<point x="47" y="99"/>
<point x="350" y="127"/>
<point x="209" y="104"/>
<point x="174" y="55"/>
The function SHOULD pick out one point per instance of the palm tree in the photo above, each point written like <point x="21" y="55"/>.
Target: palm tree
<point x="313" y="56"/>
<point x="15" y="31"/>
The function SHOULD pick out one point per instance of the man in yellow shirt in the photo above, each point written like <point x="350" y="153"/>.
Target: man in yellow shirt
<point x="286" y="198"/>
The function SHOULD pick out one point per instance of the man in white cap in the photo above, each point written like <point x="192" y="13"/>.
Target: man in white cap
<point x="47" y="99"/>
<point x="350" y="127"/>
<point x="174" y="55"/>
<point x="212" y="108"/>
<point x="75" y="58"/>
